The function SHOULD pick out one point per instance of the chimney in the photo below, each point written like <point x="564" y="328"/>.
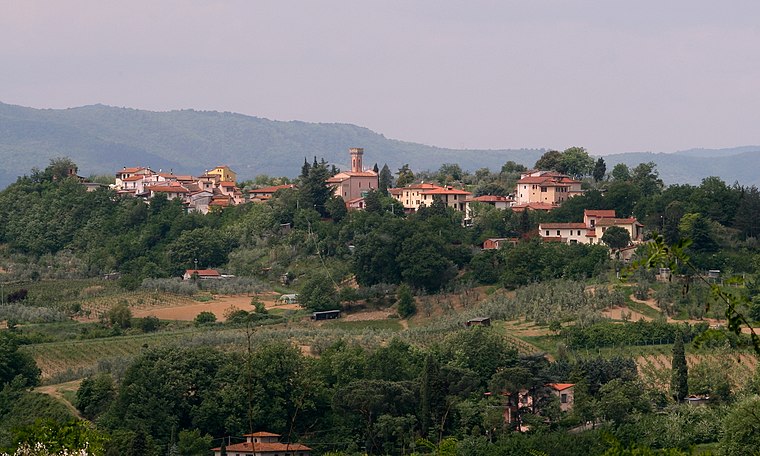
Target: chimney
<point x="356" y="159"/>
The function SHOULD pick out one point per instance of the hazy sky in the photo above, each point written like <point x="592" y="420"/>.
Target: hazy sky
<point x="612" y="76"/>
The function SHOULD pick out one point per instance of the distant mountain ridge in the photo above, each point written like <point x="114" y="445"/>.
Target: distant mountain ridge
<point x="102" y="139"/>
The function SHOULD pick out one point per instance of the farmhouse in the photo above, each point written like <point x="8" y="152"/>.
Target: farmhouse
<point x="565" y="392"/>
<point x="203" y="274"/>
<point x="263" y="444"/>
<point x="595" y="223"/>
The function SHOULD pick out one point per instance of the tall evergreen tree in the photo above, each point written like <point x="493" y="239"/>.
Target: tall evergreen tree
<point x="305" y="169"/>
<point x="429" y="392"/>
<point x="679" y="381"/>
<point x="600" y="169"/>
<point x="375" y="168"/>
<point x="406" y="305"/>
<point x="385" y="179"/>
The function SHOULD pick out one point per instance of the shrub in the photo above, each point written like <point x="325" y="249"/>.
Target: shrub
<point x="204" y="318"/>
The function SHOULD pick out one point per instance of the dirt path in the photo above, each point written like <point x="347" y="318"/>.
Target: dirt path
<point x="616" y="313"/>
<point x="54" y="391"/>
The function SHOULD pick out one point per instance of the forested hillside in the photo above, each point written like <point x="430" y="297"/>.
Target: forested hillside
<point x="102" y="139"/>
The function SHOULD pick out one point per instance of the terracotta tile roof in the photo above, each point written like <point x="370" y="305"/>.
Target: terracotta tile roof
<point x="559" y="226"/>
<point x="606" y="213"/>
<point x="445" y="191"/>
<point x="203" y="272"/>
<point x="221" y="202"/>
<point x="129" y="170"/>
<point x="560" y="386"/>
<point x="271" y="189"/>
<point x="168" y="189"/>
<point x="226" y="184"/>
<point x="534" y="206"/>
<point x="491" y="199"/>
<point x="396" y="191"/>
<point x="262" y="447"/>
<point x="422" y="185"/>
<point x="617" y="221"/>
<point x="262" y="434"/>
<point x="133" y="178"/>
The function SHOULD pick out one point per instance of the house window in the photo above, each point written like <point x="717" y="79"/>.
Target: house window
<point x="547" y="232"/>
<point x="563" y="398"/>
<point x="579" y="232"/>
<point x="557" y="232"/>
<point x="543" y="189"/>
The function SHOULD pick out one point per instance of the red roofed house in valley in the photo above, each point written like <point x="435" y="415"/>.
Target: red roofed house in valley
<point x="263" y="444"/>
<point x="545" y="187"/>
<point x="565" y="392"/>
<point x="203" y="274"/>
<point x="595" y="223"/>
<point x="354" y="184"/>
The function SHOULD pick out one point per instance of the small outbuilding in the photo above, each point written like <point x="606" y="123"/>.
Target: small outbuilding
<point x="289" y="298"/>
<point x="325" y="315"/>
<point x="478" y="321"/>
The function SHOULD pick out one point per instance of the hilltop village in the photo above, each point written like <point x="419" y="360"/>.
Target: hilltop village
<point x="537" y="190"/>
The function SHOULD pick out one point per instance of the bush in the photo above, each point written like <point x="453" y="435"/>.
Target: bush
<point x="120" y="315"/>
<point x="204" y="318"/>
<point x="149" y="324"/>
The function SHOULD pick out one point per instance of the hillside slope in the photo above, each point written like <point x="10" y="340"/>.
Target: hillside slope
<point x="102" y="139"/>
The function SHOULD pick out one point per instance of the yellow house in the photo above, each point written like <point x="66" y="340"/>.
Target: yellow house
<point x="225" y="173"/>
<point x="411" y="196"/>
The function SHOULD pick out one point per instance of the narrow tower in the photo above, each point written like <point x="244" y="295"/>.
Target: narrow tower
<point x="356" y="159"/>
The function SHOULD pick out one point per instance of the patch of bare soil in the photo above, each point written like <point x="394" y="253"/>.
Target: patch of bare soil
<point x="714" y="323"/>
<point x="219" y="307"/>
<point x="368" y="315"/>
<point x="616" y="313"/>
<point x="55" y="391"/>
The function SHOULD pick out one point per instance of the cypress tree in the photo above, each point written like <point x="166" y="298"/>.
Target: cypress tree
<point x="406" y="305"/>
<point x="305" y="169"/>
<point x="428" y="392"/>
<point x="679" y="382"/>
<point x="385" y="180"/>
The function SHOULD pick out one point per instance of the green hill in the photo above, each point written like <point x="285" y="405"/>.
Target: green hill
<point x="102" y="139"/>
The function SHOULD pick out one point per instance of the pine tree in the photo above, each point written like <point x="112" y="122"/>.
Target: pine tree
<point x="679" y="382"/>
<point x="375" y="169"/>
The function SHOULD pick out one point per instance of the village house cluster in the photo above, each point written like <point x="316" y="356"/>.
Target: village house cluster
<point x="535" y="190"/>
<point x="214" y="188"/>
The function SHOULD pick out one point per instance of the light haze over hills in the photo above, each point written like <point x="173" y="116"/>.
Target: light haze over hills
<point x="102" y="139"/>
